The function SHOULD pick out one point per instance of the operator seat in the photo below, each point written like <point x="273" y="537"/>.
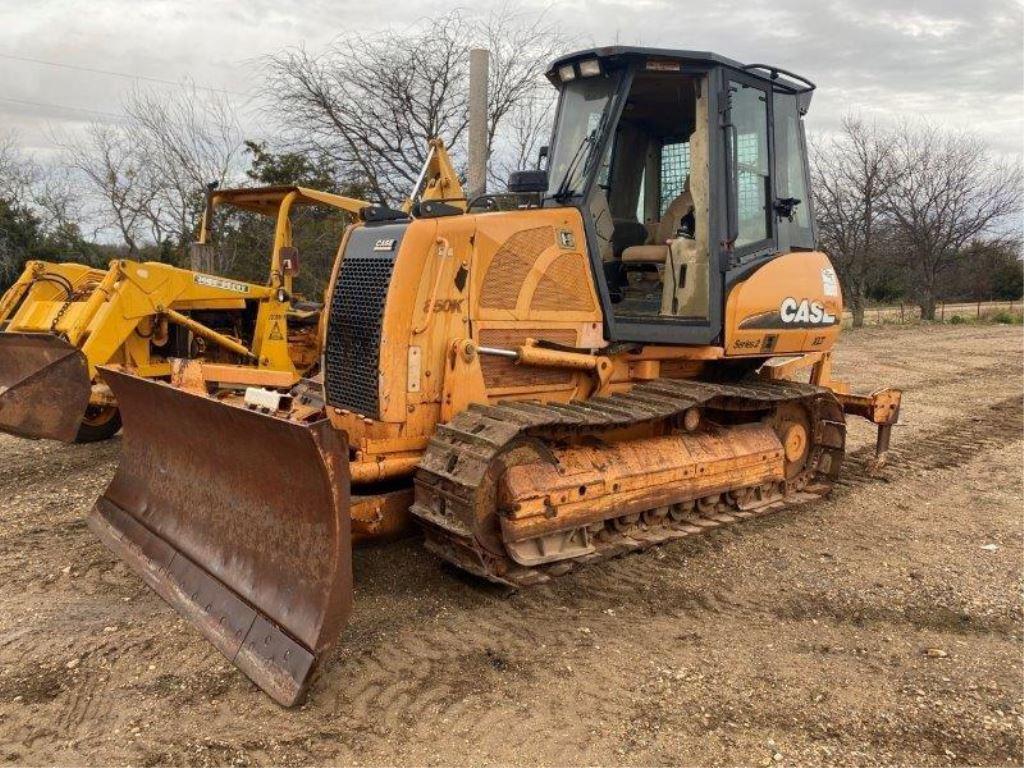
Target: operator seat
<point x="657" y="252"/>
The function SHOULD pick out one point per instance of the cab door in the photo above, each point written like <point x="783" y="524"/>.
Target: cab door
<point x="794" y="213"/>
<point x="750" y="181"/>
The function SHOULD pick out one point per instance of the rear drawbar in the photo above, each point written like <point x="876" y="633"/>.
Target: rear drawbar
<point x="240" y="521"/>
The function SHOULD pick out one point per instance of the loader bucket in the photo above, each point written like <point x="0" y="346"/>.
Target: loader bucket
<point x="239" y="521"/>
<point x="44" y="386"/>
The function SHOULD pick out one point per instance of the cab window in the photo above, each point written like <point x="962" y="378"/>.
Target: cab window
<point x="675" y="168"/>
<point x="791" y="173"/>
<point x="674" y="164"/>
<point x="748" y="150"/>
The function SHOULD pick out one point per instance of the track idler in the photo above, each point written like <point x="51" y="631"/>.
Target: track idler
<point x="238" y="520"/>
<point x="44" y="386"/>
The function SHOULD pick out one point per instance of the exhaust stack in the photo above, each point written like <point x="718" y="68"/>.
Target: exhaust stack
<point x="479" y="59"/>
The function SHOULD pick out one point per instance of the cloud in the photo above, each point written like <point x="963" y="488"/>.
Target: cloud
<point x="959" y="64"/>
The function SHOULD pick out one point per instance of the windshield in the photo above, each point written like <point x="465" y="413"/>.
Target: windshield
<point x="582" y="116"/>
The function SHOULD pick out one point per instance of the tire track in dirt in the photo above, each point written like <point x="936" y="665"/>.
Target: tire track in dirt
<point x="436" y="672"/>
<point x="1000" y="369"/>
<point x="468" y="654"/>
<point x="943" y="447"/>
<point x="85" y="686"/>
<point x="460" y="671"/>
<point x="465" y="672"/>
<point x="80" y="705"/>
<point x="36" y="468"/>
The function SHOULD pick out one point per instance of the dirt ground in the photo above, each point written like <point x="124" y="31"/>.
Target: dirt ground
<point x="882" y="625"/>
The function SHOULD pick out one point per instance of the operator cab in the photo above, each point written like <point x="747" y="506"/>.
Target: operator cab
<point x="690" y="169"/>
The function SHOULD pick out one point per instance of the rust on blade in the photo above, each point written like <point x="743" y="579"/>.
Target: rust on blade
<point x="44" y="386"/>
<point x="239" y="520"/>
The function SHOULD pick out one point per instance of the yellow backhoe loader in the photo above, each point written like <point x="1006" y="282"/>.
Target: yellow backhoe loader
<point x="60" y="322"/>
<point x="637" y="348"/>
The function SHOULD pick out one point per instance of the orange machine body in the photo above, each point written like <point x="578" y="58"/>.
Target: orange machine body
<point x="505" y="280"/>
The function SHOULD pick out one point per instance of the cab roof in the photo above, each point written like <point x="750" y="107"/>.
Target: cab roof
<point x="267" y="200"/>
<point x="627" y="53"/>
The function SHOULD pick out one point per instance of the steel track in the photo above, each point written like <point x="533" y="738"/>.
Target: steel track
<point x="455" y="483"/>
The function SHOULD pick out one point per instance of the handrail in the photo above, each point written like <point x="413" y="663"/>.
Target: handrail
<point x="444" y="248"/>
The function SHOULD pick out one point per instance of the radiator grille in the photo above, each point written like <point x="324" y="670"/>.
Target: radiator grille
<point x="352" y="349"/>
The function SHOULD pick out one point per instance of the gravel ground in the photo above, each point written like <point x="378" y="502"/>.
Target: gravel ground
<point x="881" y="625"/>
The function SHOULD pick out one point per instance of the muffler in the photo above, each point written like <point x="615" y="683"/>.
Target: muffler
<point x="238" y="520"/>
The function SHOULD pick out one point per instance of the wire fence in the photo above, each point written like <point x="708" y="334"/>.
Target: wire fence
<point x="945" y="312"/>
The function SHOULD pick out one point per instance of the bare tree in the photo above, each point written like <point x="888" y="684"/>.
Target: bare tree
<point x="117" y="174"/>
<point x="517" y="146"/>
<point x="146" y="175"/>
<point x="19" y="229"/>
<point x="58" y="198"/>
<point x="948" y="192"/>
<point x="17" y="173"/>
<point x="853" y="174"/>
<point x="187" y="141"/>
<point x="520" y="98"/>
<point x="40" y="211"/>
<point x="371" y="103"/>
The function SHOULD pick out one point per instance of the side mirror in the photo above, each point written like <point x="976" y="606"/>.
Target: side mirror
<point x="289" y="260"/>
<point x="785" y="207"/>
<point x="528" y="182"/>
<point x="542" y="156"/>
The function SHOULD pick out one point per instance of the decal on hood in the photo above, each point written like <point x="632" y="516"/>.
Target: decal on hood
<point x="792" y="313"/>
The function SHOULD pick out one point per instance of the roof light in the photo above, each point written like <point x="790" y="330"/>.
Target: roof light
<point x="566" y="73"/>
<point x="590" y="67"/>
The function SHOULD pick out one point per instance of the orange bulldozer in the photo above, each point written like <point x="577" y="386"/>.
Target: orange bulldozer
<point x="630" y="346"/>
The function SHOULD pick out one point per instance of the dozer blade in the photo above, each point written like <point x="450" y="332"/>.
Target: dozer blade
<point x="240" y="521"/>
<point x="44" y="386"/>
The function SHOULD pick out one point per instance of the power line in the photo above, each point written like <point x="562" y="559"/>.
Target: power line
<point x="112" y="73"/>
<point x="61" y="106"/>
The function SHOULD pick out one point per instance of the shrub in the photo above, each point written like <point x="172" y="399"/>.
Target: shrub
<point x="1004" y="317"/>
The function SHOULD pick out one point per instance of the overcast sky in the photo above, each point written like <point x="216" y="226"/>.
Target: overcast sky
<point x="959" y="62"/>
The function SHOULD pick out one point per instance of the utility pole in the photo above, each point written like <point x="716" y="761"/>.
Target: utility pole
<point x="479" y="59"/>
